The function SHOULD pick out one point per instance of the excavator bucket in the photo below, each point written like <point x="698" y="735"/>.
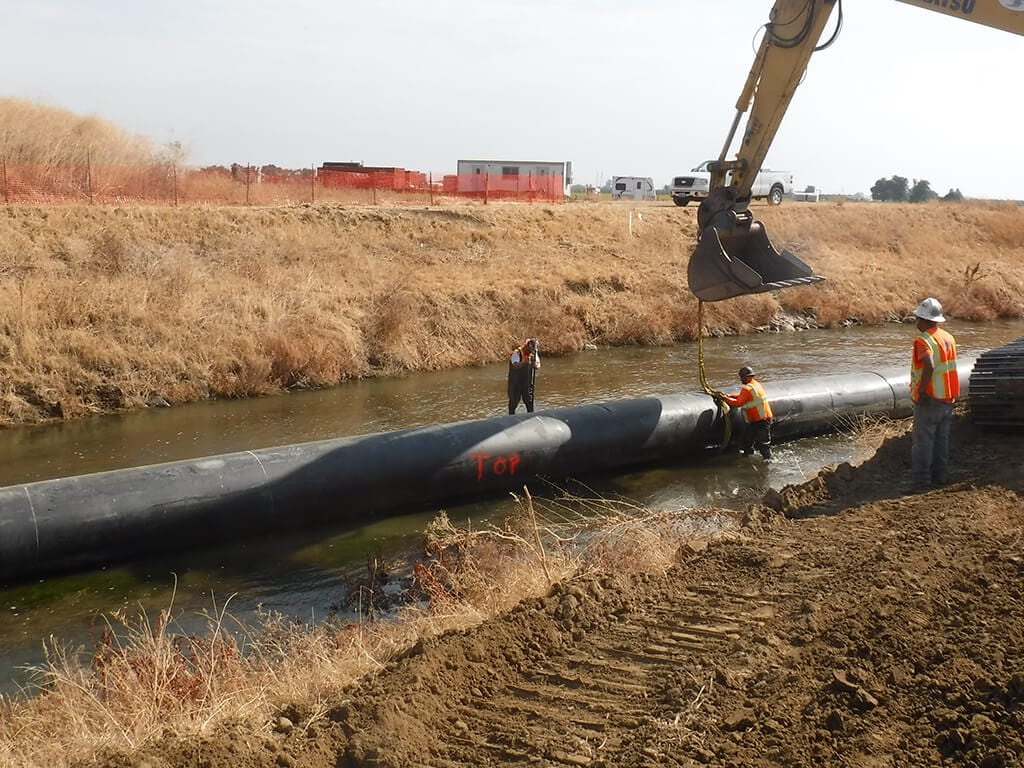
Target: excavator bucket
<point x="739" y="261"/>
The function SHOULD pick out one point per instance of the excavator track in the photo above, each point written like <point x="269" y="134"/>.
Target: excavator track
<point x="997" y="387"/>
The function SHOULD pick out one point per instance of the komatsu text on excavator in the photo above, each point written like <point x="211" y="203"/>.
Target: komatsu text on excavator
<point x="734" y="256"/>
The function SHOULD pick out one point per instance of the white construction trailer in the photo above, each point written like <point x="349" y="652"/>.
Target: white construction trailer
<point x="633" y="188"/>
<point x="511" y="177"/>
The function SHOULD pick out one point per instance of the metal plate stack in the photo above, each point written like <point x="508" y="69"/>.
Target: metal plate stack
<point x="997" y="387"/>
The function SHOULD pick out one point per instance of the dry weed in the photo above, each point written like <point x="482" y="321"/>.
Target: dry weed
<point x="46" y="136"/>
<point x="867" y="432"/>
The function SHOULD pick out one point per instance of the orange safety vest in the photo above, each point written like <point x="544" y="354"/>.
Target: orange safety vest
<point x="944" y="384"/>
<point x="753" y="401"/>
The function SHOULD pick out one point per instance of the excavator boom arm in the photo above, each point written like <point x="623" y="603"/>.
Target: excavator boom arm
<point x="734" y="255"/>
<point x="790" y="37"/>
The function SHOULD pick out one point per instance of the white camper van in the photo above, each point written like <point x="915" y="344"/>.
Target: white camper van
<point x="633" y="188"/>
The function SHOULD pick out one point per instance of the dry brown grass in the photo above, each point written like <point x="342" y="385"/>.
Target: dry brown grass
<point x="34" y="134"/>
<point x="866" y="433"/>
<point x="209" y="186"/>
<point x="102" y="307"/>
<point x="881" y="259"/>
<point x="147" y="679"/>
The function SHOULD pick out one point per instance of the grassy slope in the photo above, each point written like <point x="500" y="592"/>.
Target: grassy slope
<point x="101" y="308"/>
<point x="49" y="138"/>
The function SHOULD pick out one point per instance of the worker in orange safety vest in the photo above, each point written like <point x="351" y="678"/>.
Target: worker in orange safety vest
<point x="757" y="412"/>
<point x="934" y="388"/>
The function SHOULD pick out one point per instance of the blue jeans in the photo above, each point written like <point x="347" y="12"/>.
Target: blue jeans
<point x="929" y="456"/>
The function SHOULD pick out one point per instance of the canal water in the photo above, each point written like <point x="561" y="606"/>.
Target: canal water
<point x="307" y="574"/>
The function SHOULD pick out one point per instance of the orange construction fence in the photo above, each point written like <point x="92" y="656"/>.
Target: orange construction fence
<point x="95" y="183"/>
<point x="520" y="188"/>
<point x="269" y="185"/>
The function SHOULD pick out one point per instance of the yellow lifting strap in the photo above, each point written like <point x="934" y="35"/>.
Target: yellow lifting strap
<point x="723" y="407"/>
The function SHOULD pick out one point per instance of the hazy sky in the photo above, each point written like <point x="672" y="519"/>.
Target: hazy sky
<point x="633" y="87"/>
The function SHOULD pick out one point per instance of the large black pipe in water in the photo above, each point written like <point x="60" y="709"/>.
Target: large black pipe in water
<point x="91" y="520"/>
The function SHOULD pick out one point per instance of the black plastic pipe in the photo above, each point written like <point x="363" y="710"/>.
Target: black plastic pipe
<point x="75" y="523"/>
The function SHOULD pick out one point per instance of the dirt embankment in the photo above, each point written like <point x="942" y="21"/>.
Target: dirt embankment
<point x="847" y="624"/>
<point x="106" y="309"/>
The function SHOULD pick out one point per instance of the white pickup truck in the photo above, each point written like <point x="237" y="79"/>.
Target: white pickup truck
<point x="769" y="185"/>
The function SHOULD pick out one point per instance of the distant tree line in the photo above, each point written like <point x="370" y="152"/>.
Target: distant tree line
<point x="266" y="170"/>
<point x="898" y="189"/>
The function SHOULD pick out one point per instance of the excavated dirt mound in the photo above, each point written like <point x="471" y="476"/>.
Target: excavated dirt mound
<point x="847" y="625"/>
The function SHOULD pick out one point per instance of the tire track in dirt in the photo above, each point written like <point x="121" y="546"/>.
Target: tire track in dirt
<point x="578" y="707"/>
<point x="598" y="693"/>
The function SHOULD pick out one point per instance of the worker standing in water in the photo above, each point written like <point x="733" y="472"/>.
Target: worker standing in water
<point x="757" y="412"/>
<point x="522" y="375"/>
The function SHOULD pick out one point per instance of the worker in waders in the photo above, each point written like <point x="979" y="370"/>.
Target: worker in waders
<point x="757" y="412"/>
<point x="522" y="375"/>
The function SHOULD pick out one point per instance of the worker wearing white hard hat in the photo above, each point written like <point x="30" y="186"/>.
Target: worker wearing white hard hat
<point x="930" y="310"/>
<point x="934" y="388"/>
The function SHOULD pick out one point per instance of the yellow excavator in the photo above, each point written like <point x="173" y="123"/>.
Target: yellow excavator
<point x="734" y="256"/>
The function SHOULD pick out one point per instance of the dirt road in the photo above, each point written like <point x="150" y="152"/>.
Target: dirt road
<point x="846" y="625"/>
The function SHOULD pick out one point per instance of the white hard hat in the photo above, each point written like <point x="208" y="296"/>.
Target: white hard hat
<point x="930" y="310"/>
